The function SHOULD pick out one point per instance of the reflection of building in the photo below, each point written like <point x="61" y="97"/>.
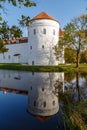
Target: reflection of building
<point x="39" y="86"/>
<point x="42" y="101"/>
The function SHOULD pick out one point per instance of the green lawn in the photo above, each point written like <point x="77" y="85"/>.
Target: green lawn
<point x="59" y="68"/>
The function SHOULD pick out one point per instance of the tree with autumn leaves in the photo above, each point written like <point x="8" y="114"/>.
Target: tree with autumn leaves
<point x="74" y="36"/>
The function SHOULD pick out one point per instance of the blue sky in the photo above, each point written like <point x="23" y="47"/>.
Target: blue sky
<point x="62" y="10"/>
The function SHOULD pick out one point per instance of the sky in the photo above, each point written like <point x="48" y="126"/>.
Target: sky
<point x="62" y="10"/>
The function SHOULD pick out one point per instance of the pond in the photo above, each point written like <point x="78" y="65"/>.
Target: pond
<point x="31" y="101"/>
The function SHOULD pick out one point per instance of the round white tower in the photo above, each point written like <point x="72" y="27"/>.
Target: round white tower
<point x="43" y="34"/>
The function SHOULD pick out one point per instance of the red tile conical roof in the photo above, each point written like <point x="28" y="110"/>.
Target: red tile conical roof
<point x="43" y="15"/>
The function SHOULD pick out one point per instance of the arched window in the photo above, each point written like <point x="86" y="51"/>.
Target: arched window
<point x="44" y="31"/>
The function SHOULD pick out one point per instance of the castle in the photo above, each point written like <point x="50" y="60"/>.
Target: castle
<point x="37" y="49"/>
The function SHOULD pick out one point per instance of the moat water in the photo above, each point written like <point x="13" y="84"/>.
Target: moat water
<point x="30" y="100"/>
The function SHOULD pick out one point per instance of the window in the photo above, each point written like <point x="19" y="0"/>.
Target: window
<point x="44" y="104"/>
<point x="42" y="89"/>
<point x="9" y="57"/>
<point x="31" y="47"/>
<point x="44" y="31"/>
<point x="3" y="57"/>
<point x="31" y="87"/>
<point x="34" y="31"/>
<point x="42" y="46"/>
<point x="34" y="103"/>
<point x="53" y="31"/>
<point x="53" y="103"/>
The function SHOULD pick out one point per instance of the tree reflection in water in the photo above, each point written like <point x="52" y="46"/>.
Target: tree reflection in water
<point x="73" y="105"/>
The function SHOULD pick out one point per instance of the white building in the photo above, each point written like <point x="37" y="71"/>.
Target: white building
<point x="43" y="35"/>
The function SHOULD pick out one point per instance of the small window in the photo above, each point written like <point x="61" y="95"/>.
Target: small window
<point x="28" y="32"/>
<point x="3" y="57"/>
<point x="34" y="103"/>
<point x="42" y="89"/>
<point x="34" y="31"/>
<point x="44" y="104"/>
<point x="31" y="47"/>
<point x="44" y="31"/>
<point x="42" y="46"/>
<point x="53" y="31"/>
<point x="9" y="57"/>
<point x="53" y="103"/>
<point x="31" y="87"/>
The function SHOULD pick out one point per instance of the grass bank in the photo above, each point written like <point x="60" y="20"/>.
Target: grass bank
<point x="60" y="68"/>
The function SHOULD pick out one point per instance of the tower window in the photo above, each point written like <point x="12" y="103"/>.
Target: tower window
<point x="42" y="46"/>
<point x="42" y="89"/>
<point x="53" y="31"/>
<point x="34" y="103"/>
<point x="34" y="31"/>
<point x="53" y="103"/>
<point x="44" y="31"/>
<point x="31" y="87"/>
<point x="44" y="104"/>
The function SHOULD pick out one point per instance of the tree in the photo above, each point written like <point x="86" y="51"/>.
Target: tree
<point x="7" y="32"/>
<point x="15" y="32"/>
<point x="75" y="36"/>
<point x="3" y="49"/>
<point x="83" y="58"/>
<point x="4" y="30"/>
<point x="24" y="21"/>
<point x="17" y="3"/>
<point x="69" y="55"/>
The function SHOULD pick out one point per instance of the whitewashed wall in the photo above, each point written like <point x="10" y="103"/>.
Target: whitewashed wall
<point x="14" y="49"/>
<point x="38" y="54"/>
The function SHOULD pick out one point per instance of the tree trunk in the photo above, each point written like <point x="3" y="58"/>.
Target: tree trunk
<point x="77" y="59"/>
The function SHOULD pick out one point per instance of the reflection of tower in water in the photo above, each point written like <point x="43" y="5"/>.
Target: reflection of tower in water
<point x="41" y="99"/>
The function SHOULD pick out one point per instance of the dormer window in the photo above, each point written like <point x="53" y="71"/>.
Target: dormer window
<point x="34" y="31"/>
<point x="44" y="31"/>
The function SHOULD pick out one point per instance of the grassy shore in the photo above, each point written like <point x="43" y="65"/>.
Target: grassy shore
<point x="59" y="68"/>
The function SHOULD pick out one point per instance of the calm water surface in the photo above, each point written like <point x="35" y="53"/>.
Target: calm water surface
<point x="29" y="101"/>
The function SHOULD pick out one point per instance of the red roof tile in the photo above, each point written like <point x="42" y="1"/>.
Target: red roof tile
<point x="43" y="15"/>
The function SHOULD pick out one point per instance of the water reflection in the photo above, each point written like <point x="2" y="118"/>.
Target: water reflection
<point x="40" y="88"/>
<point x="44" y="101"/>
